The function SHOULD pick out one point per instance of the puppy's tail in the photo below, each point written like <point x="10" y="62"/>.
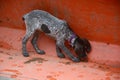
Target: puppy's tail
<point x="23" y="18"/>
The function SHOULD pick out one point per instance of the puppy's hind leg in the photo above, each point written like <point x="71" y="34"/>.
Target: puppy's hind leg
<point x="34" y="42"/>
<point x="24" y="42"/>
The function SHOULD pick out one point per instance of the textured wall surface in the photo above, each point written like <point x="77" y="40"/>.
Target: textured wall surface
<point x="97" y="20"/>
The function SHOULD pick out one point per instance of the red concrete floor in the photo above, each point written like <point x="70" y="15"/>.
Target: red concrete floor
<point x="45" y="67"/>
<point x="49" y="67"/>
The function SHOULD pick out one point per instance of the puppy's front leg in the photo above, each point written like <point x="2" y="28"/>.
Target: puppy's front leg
<point x="59" y="52"/>
<point x="67" y="51"/>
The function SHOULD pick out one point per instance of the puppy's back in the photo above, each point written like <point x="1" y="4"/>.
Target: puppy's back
<point x="40" y="14"/>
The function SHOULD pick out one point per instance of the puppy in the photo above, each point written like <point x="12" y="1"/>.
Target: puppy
<point x="41" y="21"/>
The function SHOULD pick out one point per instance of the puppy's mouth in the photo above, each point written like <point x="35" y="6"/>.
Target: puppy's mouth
<point x="84" y="59"/>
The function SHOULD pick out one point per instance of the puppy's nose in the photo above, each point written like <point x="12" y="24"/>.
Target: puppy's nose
<point x="84" y="59"/>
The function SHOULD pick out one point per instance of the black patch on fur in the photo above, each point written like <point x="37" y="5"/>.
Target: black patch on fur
<point x="45" y="28"/>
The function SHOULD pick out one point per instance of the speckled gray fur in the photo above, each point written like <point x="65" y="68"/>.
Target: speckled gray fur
<point x="58" y="30"/>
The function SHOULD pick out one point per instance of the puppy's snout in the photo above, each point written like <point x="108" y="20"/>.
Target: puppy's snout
<point x="84" y="59"/>
<point x="83" y="55"/>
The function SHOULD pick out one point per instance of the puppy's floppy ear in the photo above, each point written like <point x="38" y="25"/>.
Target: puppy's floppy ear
<point x="45" y="28"/>
<point x="87" y="45"/>
<point x="80" y="48"/>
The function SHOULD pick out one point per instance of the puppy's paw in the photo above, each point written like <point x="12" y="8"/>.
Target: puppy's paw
<point x="25" y="54"/>
<point x="75" y="59"/>
<point x="40" y="52"/>
<point x="60" y="55"/>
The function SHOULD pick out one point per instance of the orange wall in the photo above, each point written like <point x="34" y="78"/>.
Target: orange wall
<point x="97" y="20"/>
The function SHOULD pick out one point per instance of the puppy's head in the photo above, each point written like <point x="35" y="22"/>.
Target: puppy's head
<point x="82" y="47"/>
